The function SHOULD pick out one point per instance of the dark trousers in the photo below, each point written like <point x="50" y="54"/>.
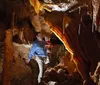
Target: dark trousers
<point x="35" y="71"/>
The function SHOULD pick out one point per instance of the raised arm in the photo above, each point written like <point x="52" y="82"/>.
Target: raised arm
<point x="32" y="52"/>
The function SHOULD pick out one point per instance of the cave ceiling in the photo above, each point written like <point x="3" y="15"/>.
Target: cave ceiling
<point x="28" y="8"/>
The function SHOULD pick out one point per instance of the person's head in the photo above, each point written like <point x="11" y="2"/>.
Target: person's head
<point x="39" y="36"/>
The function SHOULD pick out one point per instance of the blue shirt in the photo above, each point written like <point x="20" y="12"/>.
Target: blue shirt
<point x="38" y="49"/>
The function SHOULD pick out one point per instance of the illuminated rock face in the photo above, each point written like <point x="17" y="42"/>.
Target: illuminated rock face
<point x="81" y="45"/>
<point x="8" y="58"/>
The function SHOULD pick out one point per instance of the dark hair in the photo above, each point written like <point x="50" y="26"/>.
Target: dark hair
<point x="36" y="33"/>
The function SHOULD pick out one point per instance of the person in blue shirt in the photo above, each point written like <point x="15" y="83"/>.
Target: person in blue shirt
<point x="38" y="52"/>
